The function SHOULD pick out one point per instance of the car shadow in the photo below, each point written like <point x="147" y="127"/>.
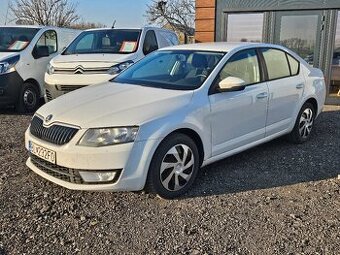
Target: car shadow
<point x="276" y="163"/>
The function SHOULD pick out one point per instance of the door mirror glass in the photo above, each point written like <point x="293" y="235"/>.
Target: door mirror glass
<point x="231" y="84"/>
<point x="41" y="52"/>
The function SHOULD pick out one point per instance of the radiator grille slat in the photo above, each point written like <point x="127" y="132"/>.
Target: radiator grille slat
<point x="55" y="134"/>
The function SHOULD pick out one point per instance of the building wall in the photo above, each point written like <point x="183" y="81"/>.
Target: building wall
<point x="205" y="20"/>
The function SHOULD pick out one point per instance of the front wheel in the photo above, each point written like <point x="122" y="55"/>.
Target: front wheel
<point x="174" y="167"/>
<point x="304" y="124"/>
<point x="29" y="99"/>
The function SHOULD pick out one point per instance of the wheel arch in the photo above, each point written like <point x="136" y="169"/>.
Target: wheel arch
<point x="314" y="102"/>
<point x="35" y="83"/>
<point x="195" y="137"/>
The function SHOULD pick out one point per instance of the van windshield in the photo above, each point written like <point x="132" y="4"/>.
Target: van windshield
<point x="14" y="39"/>
<point x="114" y="41"/>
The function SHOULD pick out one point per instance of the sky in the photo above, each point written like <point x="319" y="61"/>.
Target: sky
<point x="128" y="13"/>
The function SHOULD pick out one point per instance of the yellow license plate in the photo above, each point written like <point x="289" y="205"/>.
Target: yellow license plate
<point x="42" y="152"/>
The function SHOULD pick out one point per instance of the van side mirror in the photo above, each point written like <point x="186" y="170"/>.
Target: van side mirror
<point x="41" y="52"/>
<point x="231" y="84"/>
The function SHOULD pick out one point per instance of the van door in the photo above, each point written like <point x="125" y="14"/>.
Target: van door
<point x="45" y="49"/>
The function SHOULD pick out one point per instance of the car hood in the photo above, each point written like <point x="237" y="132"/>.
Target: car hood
<point x="114" y="104"/>
<point x="4" y="55"/>
<point x="90" y="60"/>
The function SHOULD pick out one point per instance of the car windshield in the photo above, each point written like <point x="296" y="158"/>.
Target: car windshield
<point x="177" y="69"/>
<point x="114" y="41"/>
<point x="14" y="39"/>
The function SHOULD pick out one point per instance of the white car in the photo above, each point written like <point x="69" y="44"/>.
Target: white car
<point x="25" y="52"/>
<point x="176" y="110"/>
<point x="98" y="55"/>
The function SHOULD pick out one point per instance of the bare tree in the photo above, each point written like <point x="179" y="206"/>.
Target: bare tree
<point x="59" y="13"/>
<point x="179" y="14"/>
<point x="82" y="25"/>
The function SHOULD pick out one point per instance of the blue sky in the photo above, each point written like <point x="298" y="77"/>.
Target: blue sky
<point x="128" y="13"/>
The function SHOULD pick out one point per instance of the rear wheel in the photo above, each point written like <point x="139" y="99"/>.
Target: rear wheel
<point x="174" y="167"/>
<point x="304" y="124"/>
<point x="29" y="99"/>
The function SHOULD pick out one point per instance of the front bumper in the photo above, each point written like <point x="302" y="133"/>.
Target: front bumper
<point x="131" y="160"/>
<point x="59" y="84"/>
<point x="10" y="87"/>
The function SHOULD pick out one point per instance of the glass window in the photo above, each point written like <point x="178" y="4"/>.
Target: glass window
<point x="247" y="27"/>
<point x="150" y="43"/>
<point x="178" y="69"/>
<point x="334" y="89"/>
<point x="299" y="33"/>
<point x="13" y="39"/>
<point x="115" y="41"/>
<point x="277" y="64"/>
<point x="294" y="65"/>
<point x="49" y="39"/>
<point x="243" y="65"/>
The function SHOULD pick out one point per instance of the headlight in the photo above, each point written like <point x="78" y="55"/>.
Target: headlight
<point x="108" y="136"/>
<point x="116" y="69"/>
<point x="8" y="65"/>
<point x="50" y="69"/>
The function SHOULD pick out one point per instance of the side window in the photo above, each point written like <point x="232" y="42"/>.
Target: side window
<point x="243" y="65"/>
<point x="294" y="65"/>
<point x="49" y="39"/>
<point x="277" y="64"/>
<point x="150" y="42"/>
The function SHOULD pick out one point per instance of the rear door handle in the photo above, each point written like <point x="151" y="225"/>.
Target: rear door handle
<point x="300" y="86"/>
<point x="262" y="95"/>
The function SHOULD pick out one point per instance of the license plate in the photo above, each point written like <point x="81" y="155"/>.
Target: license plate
<point x="42" y="152"/>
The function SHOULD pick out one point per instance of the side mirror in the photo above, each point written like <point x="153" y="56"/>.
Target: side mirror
<point x="231" y="84"/>
<point x="41" y="52"/>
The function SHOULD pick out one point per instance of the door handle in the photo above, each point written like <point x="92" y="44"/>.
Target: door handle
<point x="262" y="95"/>
<point x="300" y="86"/>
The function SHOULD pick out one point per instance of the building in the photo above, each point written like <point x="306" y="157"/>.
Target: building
<point x="309" y="27"/>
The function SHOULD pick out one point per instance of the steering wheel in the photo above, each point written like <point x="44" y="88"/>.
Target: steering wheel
<point x="201" y="75"/>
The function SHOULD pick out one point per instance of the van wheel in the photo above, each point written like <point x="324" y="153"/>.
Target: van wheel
<point x="29" y="99"/>
<point x="304" y="124"/>
<point x="174" y="167"/>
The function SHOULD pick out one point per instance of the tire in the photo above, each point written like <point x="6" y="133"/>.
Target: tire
<point x="169" y="166"/>
<point x="29" y="99"/>
<point x="304" y="124"/>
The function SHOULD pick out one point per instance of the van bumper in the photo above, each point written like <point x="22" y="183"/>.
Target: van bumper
<point x="10" y="87"/>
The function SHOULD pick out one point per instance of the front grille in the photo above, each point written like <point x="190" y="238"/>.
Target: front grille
<point x="70" y="88"/>
<point x="82" y="70"/>
<point x="62" y="173"/>
<point x="48" y="95"/>
<point x="55" y="134"/>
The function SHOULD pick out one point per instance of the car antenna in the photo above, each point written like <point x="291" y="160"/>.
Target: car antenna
<point x="114" y="24"/>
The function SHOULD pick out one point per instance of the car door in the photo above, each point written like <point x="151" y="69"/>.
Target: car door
<point x="238" y="118"/>
<point x="48" y="39"/>
<point x="286" y="84"/>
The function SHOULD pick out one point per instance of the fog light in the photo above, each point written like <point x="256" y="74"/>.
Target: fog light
<point x="104" y="176"/>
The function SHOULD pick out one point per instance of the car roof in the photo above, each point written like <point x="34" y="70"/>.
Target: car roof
<point x="23" y="26"/>
<point x="221" y="46"/>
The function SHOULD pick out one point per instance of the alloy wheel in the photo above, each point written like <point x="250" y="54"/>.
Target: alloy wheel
<point x="306" y="123"/>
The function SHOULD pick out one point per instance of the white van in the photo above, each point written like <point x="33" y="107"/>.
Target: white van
<point x="25" y="52"/>
<point x="97" y="55"/>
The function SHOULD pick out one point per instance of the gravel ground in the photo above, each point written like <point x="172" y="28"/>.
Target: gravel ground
<point x="277" y="198"/>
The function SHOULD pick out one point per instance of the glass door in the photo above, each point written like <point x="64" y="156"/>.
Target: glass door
<point x="334" y="90"/>
<point x="300" y="31"/>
